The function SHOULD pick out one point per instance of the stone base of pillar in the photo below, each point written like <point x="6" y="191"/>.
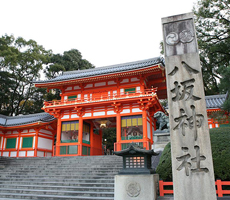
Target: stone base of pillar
<point x="141" y="187"/>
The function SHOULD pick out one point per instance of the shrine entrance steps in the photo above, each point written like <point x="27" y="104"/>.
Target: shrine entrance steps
<point x="89" y="177"/>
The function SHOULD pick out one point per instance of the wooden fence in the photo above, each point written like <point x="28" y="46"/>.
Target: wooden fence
<point x="219" y="189"/>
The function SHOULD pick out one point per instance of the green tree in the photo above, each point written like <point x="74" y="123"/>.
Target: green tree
<point x="69" y="61"/>
<point x="21" y="62"/>
<point x="212" y="20"/>
<point x="224" y="86"/>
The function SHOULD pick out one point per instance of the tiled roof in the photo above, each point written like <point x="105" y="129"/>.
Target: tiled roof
<point x="105" y="70"/>
<point x="215" y="101"/>
<point x="8" y="121"/>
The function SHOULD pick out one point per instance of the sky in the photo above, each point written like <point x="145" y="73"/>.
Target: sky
<point x="106" y="32"/>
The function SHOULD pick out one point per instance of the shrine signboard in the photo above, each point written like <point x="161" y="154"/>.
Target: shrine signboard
<point x="192" y="167"/>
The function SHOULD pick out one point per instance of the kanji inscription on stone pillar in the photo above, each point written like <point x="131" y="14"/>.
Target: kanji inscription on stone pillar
<point x="192" y="166"/>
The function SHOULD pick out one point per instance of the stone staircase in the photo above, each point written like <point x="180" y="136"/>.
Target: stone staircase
<point x="88" y="177"/>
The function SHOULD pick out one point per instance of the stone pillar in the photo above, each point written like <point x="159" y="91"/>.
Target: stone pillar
<point x="192" y="167"/>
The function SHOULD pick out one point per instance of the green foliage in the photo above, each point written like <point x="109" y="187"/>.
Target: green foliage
<point x="21" y="62"/>
<point x="69" y="61"/>
<point x="220" y="138"/>
<point x="224" y="86"/>
<point x="213" y="35"/>
<point x="164" y="168"/>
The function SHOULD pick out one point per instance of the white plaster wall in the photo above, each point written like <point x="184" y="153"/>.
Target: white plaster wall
<point x="6" y="153"/>
<point x="111" y="113"/>
<point x="100" y="84"/>
<point x="45" y="143"/>
<point x="134" y="79"/>
<point x="65" y="117"/>
<point x="16" y="143"/>
<point x="121" y="91"/>
<point x="125" y="111"/>
<point x="98" y="113"/>
<point x="149" y="130"/>
<point x="22" y="153"/>
<point x="68" y="88"/>
<point x="20" y="145"/>
<point x="85" y="137"/>
<point x="34" y="141"/>
<point x="138" y="89"/>
<point x="89" y="86"/>
<point x="48" y="154"/>
<point x="40" y="153"/>
<point x="4" y="144"/>
<point x="87" y="115"/>
<point x="77" y="87"/>
<point x="111" y="83"/>
<point x="74" y="116"/>
<point x="30" y="153"/>
<point x="125" y="80"/>
<point x="13" y="154"/>
<point x="32" y="130"/>
<point x="136" y="110"/>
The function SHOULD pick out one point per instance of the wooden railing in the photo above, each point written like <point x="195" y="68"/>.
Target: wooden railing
<point x="97" y="97"/>
<point x="219" y="191"/>
<point x="163" y="191"/>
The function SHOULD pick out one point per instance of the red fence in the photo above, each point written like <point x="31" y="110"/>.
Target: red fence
<point x="220" y="192"/>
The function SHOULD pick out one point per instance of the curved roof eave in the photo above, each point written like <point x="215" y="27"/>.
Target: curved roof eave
<point x="107" y="70"/>
<point x="25" y="120"/>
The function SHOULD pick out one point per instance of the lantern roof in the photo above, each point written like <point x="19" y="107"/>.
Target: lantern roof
<point x="135" y="150"/>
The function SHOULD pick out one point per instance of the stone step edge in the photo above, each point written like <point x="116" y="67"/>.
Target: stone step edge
<point x="69" y="187"/>
<point x="58" y="183"/>
<point x="56" y="191"/>
<point x="57" y="196"/>
<point x="81" y="179"/>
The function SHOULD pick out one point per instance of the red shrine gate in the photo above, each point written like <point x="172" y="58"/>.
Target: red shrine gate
<point x="124" y="96"/>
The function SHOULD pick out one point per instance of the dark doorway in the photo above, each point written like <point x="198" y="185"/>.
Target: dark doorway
<point x="108" y="140"/>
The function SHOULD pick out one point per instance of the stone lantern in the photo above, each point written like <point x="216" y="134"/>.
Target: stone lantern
<point x="136" y="180"/>
<point x="136" y="160"/>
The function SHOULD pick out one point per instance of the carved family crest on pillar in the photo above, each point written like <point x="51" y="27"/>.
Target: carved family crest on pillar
<point x="192" y="167"/>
